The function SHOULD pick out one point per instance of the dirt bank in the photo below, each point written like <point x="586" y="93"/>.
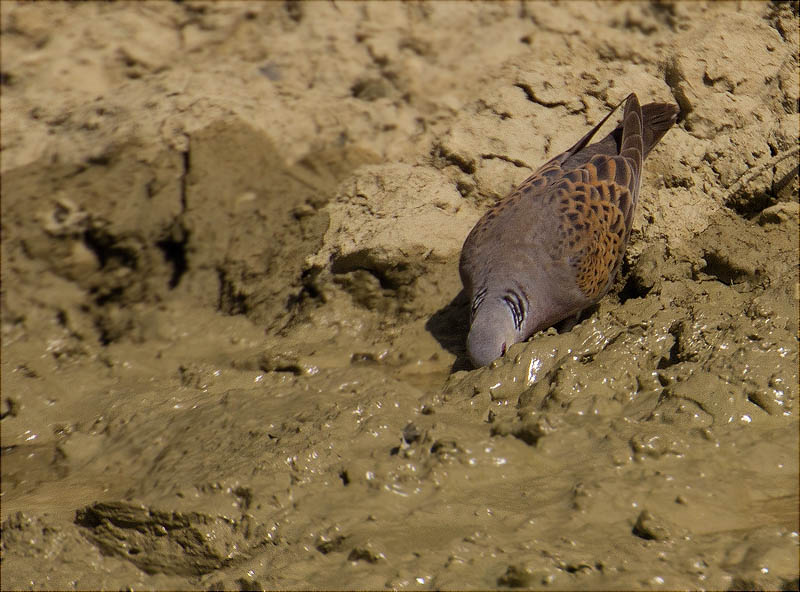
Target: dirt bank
<point x="233" y="340"/>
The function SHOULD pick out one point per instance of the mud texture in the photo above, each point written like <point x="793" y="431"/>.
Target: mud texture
<point x="233" y="339"/>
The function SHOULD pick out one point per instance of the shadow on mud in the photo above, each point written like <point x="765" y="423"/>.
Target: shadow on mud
<point x="449" y="326"/>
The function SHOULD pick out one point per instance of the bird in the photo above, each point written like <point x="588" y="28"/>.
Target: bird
<point x="554" y="245"/>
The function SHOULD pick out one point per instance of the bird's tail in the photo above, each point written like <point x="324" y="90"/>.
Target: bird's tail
<point x="657" y="118"/>
<point x="632" y="145"/>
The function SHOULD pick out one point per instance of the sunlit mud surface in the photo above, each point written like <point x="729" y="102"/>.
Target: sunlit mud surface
<point x="233" y="338"/>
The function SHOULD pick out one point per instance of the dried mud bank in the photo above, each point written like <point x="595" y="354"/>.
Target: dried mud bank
<point x="232" y="335"/>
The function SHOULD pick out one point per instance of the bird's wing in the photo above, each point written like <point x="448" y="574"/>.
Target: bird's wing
<point x="594" y="205"/>
<point x="590" y="208"/>
<point x="554" y="168"/>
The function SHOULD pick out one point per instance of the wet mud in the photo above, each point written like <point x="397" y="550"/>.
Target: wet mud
<point x="232" y="327"/>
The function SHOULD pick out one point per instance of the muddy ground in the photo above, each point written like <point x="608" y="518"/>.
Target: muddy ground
<point x="233" y="340"/>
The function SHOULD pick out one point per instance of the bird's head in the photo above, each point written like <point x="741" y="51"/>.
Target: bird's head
<point x="496" y="326"/>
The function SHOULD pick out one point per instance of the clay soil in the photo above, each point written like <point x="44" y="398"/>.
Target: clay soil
<point x="232" y="327"/>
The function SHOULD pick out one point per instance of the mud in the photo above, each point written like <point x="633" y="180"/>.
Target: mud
<point x="233" y="339"/>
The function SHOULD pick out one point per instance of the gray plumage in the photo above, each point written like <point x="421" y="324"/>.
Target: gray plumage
<point x="554" y="245"/>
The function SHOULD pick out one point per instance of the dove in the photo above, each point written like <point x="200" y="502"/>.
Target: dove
<point x="554" y="245"/>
